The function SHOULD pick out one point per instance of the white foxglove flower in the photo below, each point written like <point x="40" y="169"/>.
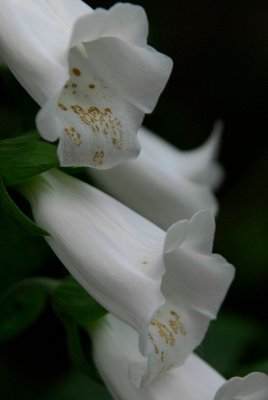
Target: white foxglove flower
<point x="115" y="349"/>
<point x="91" y="71"/>
<point x="166" y="285"/>
<point x="165" y="184"/>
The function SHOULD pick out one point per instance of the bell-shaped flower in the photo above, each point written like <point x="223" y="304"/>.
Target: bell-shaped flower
<point x="165" y="184"/>
<point x="166" y="285"/>
<point x="91" y="71"/>
<point x="115" y="349"/>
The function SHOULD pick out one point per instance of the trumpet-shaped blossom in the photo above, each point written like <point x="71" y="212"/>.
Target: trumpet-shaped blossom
<point x="166" y="285"/>
<point x="116" y="344"/>
<point x="91" y="71"/>
<point x="165" y="184"/>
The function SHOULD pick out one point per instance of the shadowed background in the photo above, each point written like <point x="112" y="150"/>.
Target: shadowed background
<point x="220" y="53"/>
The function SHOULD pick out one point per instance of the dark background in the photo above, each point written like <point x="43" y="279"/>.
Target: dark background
<point x="220" y="53"/>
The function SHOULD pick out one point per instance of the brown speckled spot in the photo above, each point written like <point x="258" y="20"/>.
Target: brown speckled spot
<point x="76" y="71"/>
<point x="91" y="86"/>
<point x="101" y="121"/>
<point x="73" y="135"/>
<point x="62" y="106"/>
<point x="164" y="332"/>
<point x="176" y="325"/>
<point x="156" y="349"/>
<point x="98" y="158"/>
<point x="150" y="336"/>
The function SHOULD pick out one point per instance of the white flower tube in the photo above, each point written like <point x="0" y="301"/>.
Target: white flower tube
<point x="165" y="184"/>
<point x="115" y="349"/>
<point x="91" y="72"/>
<point x="167" y="286"/>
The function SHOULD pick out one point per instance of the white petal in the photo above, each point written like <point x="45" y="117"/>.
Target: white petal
<point x="154" y="193"/>
<point x="68" y="11"/>
<point x="98" y="128"/>
<point x="167" y="288"/>
<point x="49" y="44"/>
<point x="194" y="286"/>
<point x="165" y="184"/>
<point x="113" y="252"/>
<point x="116" y="44"/>
<point x="113" y="70"/>
<point x="122" y="21"/>
<point x="252" y="387"/>
<point x="34" y="40"/>
<point x="114" y="343"/>
<point x="199" y="165"/>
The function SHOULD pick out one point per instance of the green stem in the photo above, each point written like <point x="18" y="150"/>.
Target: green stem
<point x="46" y="284"/>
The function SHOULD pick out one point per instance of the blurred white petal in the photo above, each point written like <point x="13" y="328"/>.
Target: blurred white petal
<point x="165" y="184"/>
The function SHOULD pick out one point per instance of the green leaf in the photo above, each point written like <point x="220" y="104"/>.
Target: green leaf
<point x="21" y="256"/>
<point x="77" y="310"/>
<point x="25" y="156"/>
<point x="261" y="366"/>
<point x="74" y="385"/>
<point x="20" y="219"/>
<point x="228" y="341"/>
<point x="79" y="352"/>
<point x="22" y="304"/>
<point x="71" y="300"/>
